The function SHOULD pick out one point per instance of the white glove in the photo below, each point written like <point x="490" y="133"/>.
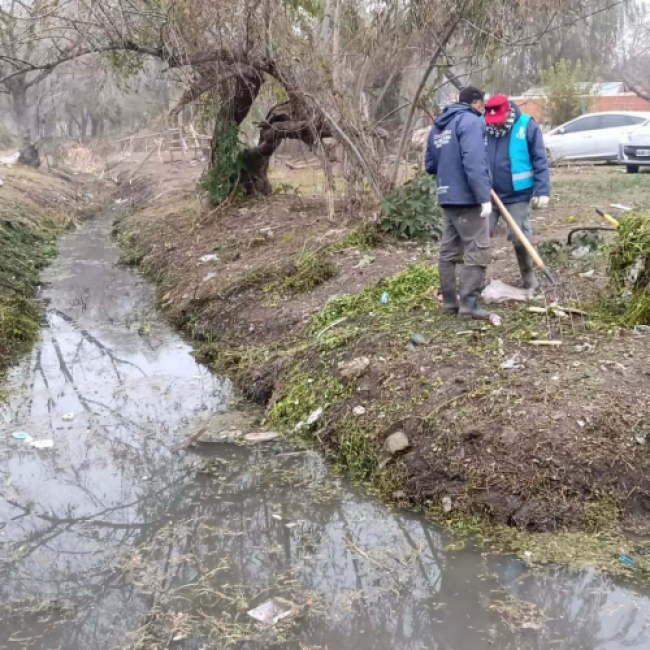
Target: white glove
<point x="540" y="202"/>
<point x="486" y="210"/>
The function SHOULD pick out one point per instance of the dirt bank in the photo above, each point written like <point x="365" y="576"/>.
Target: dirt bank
<point x="539" y="439"/>
<point x="34" y="207"/>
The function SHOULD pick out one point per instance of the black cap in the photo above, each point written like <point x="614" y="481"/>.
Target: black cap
<point x="470" y="94"/>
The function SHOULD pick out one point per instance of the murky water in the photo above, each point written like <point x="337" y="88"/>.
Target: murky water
<point x="113" y="538"/>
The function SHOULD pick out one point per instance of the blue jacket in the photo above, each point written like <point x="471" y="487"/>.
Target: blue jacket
<point x="501" y="167"/>
<point x="456" y="154"/>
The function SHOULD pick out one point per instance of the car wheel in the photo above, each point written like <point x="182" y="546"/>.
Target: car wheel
<point x="632" y="169"/>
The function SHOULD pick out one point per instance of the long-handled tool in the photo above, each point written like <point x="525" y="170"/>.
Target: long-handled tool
<point x="608" y="217"/>
<point x="522" y="238"/>
<point x="557" y="297"/>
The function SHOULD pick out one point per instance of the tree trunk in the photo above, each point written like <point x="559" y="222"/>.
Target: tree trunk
<point x="240" y="94"/>
<point x="83" y="128"/>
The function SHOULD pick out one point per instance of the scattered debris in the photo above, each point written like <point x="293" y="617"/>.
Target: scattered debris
<point x="277" y="517"/>
<point x="366" y="260"/>
<point x="42" y="444"/>
<point x="495" y="320"/>
<point x="209" y="258"/>
<point x="640" y="440"/>
<point x="642" y="328"/>
<point x="262" y="436"/>
<point x="627" y="560"/>
<point x="10" y="160"/>
<point x="396" y="442"/>
<point x="267" y="232"/>
<point x="355" y="368"/>
<point x="359" y="410"/>
<point x="68" y="417"/>
<point x="618" y="206"/>
<point x="514" y="363"/>
<point x="331" y="326"/>
<point x="420" y="339"/>
<point x="497" y="292"/>
<point x="21" y="435"/>
<point x="520" y="614"/>
<point x="446" y="504"/>
<point x="314" y="416"/>
<point x="272" y="611"/>
<point x="544" y="343"/>
<point x="385" y="298"/>
<point x="210" y="276"/>
<point x="588" y="274"/>
<point x="581" y="252"/>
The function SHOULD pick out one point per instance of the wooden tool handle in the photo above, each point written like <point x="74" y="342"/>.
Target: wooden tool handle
<point x="521" y="237"/>
<point x="517" y="230"/>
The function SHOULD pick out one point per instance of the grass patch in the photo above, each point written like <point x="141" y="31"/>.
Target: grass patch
<point x="405" y="290"/>
<point x="364" y="237"/>
<point x="27" y="248"/>
<point x="302" y="394"/>
<point x="311" y="270"/>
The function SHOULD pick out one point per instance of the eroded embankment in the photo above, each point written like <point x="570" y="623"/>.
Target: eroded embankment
<point x="494" y="429"/>
<point x="34" y="208"/>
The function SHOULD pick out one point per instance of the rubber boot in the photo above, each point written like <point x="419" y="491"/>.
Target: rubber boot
<point x="472" y="279"/>
<point x="447" y="273"/>
<point x="526" y="267"/>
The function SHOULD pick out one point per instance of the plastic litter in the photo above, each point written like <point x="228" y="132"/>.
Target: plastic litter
<point x="366" y="260"/>
<point x="272" y="611"/>
<point x="627" y="560"/>
<point x="315" y="416"/>
<point x="581" y="252"/>
<point x="495" y="320"/>
<point x="21" y="435"/>
<point x="262" y="436"/>
<point x="498" y="292"/>
<point x="587" y="274"/>
<point x="420" y="339"/>
<point x="208" y="258"/>
<point x="513" y="364"/>
<point x="446" y="504"/>
<point x="385" y="298"/>
<point x="68" y="417"/>
<point x="210" y="276"/>
<point x="42" y="444"/>
<point x="359" y="410"/>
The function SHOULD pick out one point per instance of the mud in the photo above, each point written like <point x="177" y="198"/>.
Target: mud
<point x="113" y="538"/>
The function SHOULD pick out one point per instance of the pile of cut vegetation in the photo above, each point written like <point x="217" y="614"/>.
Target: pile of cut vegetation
<point x="629" y="267"/>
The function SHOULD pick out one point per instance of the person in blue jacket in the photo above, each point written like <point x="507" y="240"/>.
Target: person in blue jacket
<point x="457" y="156"/>
<point x="520" y="174"/>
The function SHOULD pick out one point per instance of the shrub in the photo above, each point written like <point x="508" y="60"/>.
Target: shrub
<point x="412" y="210"/>
<point x="564" y="85"/>
<point x="629" y="266"/>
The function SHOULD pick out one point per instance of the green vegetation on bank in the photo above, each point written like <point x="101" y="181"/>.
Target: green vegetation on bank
<point x="29" y="225"/>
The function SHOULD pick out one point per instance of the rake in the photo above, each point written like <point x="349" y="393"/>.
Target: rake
<point x="560" y="298"/>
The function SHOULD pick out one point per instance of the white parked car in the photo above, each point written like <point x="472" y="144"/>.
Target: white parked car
<point x="594" y="136"/>
<point x="634" y="148"/>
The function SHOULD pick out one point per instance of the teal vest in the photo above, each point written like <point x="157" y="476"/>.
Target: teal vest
<point x="520" y="164"/>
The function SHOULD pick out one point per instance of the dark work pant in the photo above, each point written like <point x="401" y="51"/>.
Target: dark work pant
<point x="466" y="236"/>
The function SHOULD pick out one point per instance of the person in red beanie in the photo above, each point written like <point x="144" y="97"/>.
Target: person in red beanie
<point x="520" y="172"/>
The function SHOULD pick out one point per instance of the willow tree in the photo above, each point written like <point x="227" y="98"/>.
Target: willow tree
<point x="231" y="49"/>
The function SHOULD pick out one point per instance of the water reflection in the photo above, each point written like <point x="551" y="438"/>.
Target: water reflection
<point x="115" y="539"/>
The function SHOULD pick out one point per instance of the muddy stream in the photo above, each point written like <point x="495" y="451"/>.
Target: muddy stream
<point x="113" y="539"/>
